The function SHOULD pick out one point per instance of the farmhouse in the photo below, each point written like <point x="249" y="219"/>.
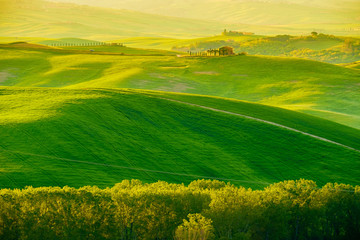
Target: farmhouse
<point x="223" y="51"/>
<point x="226" y="51"/>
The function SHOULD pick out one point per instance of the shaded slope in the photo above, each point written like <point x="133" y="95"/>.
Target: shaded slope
<point x="80" y="137"/>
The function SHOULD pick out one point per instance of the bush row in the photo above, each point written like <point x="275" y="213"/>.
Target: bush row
<point x="205" y="209"/>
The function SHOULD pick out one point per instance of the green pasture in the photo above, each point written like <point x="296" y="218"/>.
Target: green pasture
<point x="169" y="43"/>
<point x="77" y="137"/>
<point x="321" y="89"/>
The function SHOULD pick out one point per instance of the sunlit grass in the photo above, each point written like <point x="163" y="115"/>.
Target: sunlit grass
<point x="24" y="105"/>
<point x="48" y="131"/>
<point x="290" y="83"/>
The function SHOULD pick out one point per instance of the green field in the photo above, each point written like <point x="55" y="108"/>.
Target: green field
<point x="319" y="47"/>
<point x="179" y="119"/>
<point x="169" y="43"/>
<point x="320" y="89"/>
<point x="77" y="137"/>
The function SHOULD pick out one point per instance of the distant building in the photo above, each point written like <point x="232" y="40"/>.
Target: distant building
<point x="223" y="51"/>
<point x="226" y="51"/>
<point x="116" y="44"/>
<point x="247" y="33"/>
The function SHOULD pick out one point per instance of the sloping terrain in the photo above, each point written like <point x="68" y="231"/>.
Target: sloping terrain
<point x="324" y="90"/>
<point x="242" y="11"/>
<point x="319" y="47"/>
<point x="60" y="20"/>
<point x="170" y="43"/>
<point x="31" y="18"/>
<point x="57" y="137"/>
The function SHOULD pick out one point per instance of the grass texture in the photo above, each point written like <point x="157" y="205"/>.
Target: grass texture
<point x="77" y="137"/>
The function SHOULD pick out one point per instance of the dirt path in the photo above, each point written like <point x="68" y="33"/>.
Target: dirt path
<point x="264" y="121"/>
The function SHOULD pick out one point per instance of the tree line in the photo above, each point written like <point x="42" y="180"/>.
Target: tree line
<point x="205" y="209"/>
<point x="82" y="44"/>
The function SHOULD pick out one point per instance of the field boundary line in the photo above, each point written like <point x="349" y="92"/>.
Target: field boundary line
<point x="263" y="121"/>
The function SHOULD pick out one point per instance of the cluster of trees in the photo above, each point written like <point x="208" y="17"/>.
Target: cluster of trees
<point x="330" y="56"/>
<point x="235" y="33"/>
<point x="206" y="45"/>
<point x="204" y="209"/>
<point x="77" y="44"/>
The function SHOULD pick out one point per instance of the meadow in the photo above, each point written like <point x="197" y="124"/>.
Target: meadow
<point x="319" y="89"/>
<point x="122" y="123"/>
<point x="48" y="19"/>
<point x="77" y="137"/>
<point x="319" y="47"/>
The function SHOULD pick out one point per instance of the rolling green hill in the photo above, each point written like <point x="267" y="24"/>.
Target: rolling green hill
<point x="122" y="49"/>
<point x="170" y="43"/>
<point x="58" y="47"/>
<point x="324" y="90"/>
<point x="76" y="137"/>
<point x="319" y="47"/>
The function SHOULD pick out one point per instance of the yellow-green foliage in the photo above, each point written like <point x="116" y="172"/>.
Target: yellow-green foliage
<point x="197" y="228"/>
<point x="203" y="210"/>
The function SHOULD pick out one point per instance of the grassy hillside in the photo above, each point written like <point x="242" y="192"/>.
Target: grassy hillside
<point x="55" y="47"/>
<point x="31" y="18"/>
<point x="58" y="20"/>
<point x="321" y="89"/>
<point x="170" y="43"/>
<point x="99" y="137"/>
<point x="122" y="49"/>
<point x="319" y="47"/>
<point x="328" y="16"/>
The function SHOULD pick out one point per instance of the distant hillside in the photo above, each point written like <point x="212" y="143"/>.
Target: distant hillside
<point x="334" y="16"/>
<point x="176" y="43"/>
<point x="320" y="89"/>
<point x="320" y="47"/>
<point x="36" y="18"/>
<point x="249" y="12"/>
<point x="76" y="137"/>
